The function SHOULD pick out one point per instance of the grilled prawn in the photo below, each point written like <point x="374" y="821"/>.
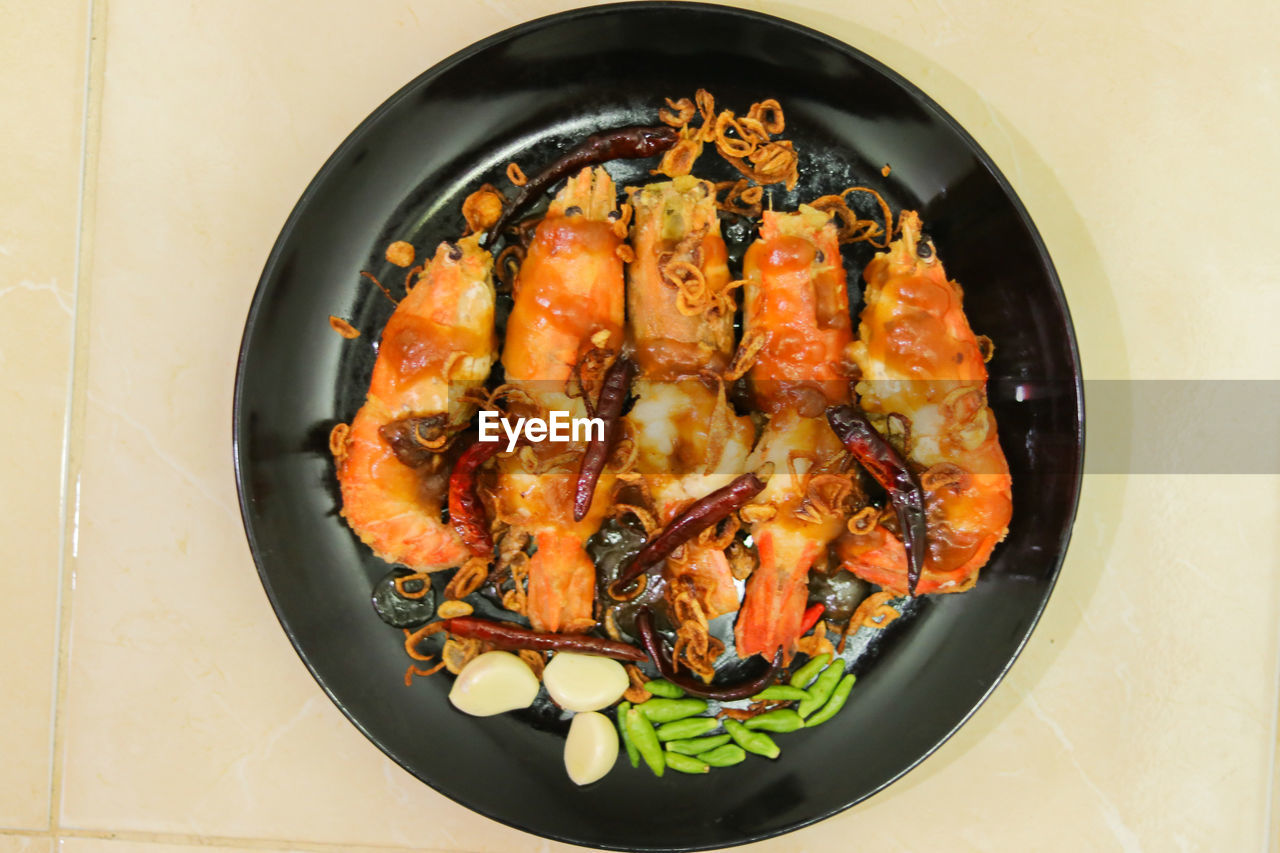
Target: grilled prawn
<point x="920" y="362"/>
<point x="438" y="343"/>
<point x="797" y="318"/>
<point x="568" y="302"/>
<point x="689" y="441"/>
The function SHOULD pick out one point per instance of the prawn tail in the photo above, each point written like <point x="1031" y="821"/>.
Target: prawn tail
<point x="773" y="606"/>
<point x="562" y="582"/>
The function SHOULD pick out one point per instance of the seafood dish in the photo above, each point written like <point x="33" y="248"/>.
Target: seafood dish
<point x="757" y="431"/>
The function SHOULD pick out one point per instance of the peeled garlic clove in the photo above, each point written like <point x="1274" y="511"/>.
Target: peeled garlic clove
<point x="591" y="748"/>
<point x="492" y="683"/>
<point x="584" y="682"/>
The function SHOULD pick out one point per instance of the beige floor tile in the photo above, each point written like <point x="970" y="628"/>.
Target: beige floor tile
<point x="25" y="844"/>
<point x="188" y="713"/>
<point x="194" y="844"/>
<point x="42" y="90"/>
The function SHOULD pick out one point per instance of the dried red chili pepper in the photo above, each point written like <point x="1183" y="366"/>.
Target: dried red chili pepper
<point x="700" y="515"/>
<point x="621" y="143"/>
<point x="509" y="637"/>
<point x="613" y="394"/>
<point x="694" y="686"/>
<point x="890" y="471"/>
<point x="466" y="512"/>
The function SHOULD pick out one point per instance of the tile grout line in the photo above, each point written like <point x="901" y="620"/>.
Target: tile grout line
<point x="69" y="516"/>
<point x="268" y="844"/>
<point x="1270" y="826"/>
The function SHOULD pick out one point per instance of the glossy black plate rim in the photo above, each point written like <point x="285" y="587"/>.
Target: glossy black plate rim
<point x="336" y="159"/>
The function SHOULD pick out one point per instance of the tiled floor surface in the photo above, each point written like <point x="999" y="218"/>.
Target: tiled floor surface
<point x="152" y="151"/>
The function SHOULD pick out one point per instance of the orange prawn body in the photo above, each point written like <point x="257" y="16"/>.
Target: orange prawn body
<point x="920" y="360"/>
<point x="680" y="317"/>
<point x="797" y="304"/>
<point x="569" y="298"/>
<point x="438" y="343"/>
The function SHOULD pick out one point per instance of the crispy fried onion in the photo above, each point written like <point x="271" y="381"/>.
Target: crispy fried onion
<point x="499" y="399"/>
<point x="516" y="175"/>
<point x="343" y="328"/>
<point x="897" y="429"/>
<point x="469" y="578"/>
<point x="874" y="612"/>
<point x="536" y="660"/>
<point x="516" y="599"/>
<point x="400" y="253"/>
<point x="646" y="519"/>
<point x="746" y="141"/>
<point x="507" y="266"/>
<point x="636" y="692"/>
<point x="587" y="377"/>
<point x="678" y="160"/>
<point x="945" y="475"/>
<point x="424" y="585"/>
<point x="684" y="111"/>
<point x="338" y="441"/>
<point x="816" y="643"/>
<point x="825" y="497"/>
<point x="741" y="561"/>
<point x="753" y="340"/>
<point x="740" y="197"/>
<point x="694" y="643"/>
<point x="411" y="640"/>
<point x="373" y="278"/>
<point x="864" y="521"/>
<point x="986" y="348"/>
<point x="483" y="208"/>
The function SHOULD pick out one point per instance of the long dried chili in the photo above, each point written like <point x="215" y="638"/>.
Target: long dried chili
<point x="700" y="515"/>
<point x="613" y="394"/>
<point x="510" y="637"/>
<point x="620" y="143"/>
<point x="466" y="512"/>
<point x="888" y="469"/>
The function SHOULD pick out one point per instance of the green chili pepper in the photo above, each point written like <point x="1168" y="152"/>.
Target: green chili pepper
<point x="690" y="728"/>
<point x="757" y="742"/>
<point x="696" y="746"/>
<point x="835" y="703"/>
<point x="780" y="693"/>
<point x="666" y="710"/>
<point x="686" y="763"/>
<point x="724" y="756"/>
<point x="662" y="687"/>
<point x="809" y="671"/>
<point x="632" y="752"/>
<point x="777" y="720"/>
<point x="645" y="740"/>
<point x="821" y="690"/>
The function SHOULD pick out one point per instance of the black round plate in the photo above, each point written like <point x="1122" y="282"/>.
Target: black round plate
<point x="523" y="94"/>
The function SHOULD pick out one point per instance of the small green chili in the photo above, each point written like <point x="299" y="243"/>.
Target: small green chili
<point x="689" y="728"/>
<point x="645" y="740"/>
<point x="696" y="746"/>
<point x="665" y="710"/>
<point x="724" y="756"/>
<point x="757" y="742"/>
<point x="662" y="687"/>
<point x="780" y="693"/>
<point x="778" y="720"/>
<point x="835" y="703"/>
<point x="809" y="671"/>
<point x="632" y="753"/>
<point x="686" y="763"/>
<point x="821" y="690"/>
